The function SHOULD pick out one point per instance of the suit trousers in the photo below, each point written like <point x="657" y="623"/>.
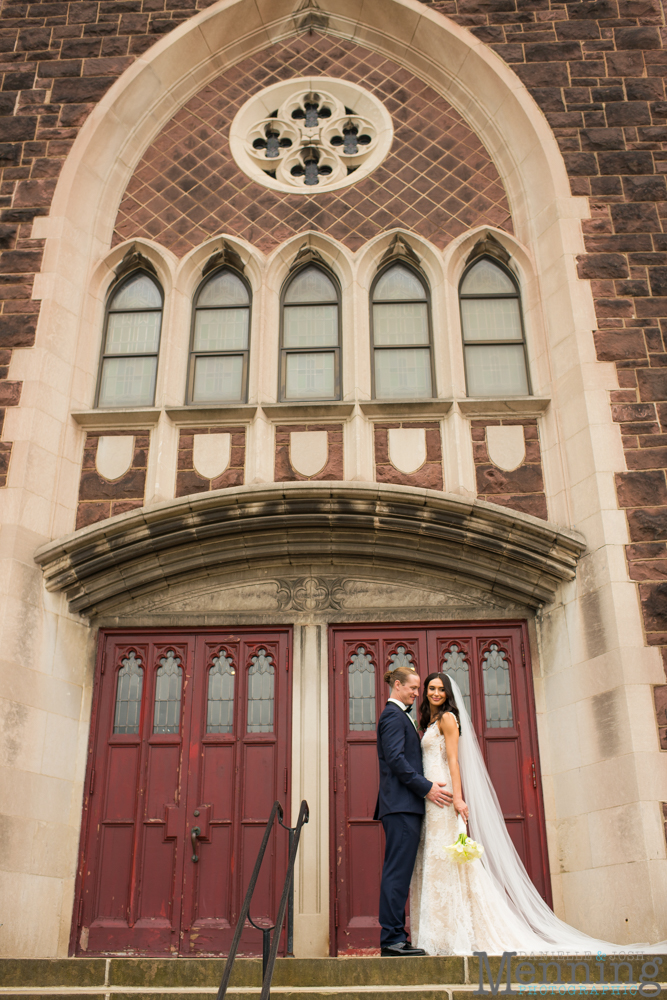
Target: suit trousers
<point x="402" y="832"/>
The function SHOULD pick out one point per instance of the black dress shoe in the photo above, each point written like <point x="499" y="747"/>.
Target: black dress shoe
<point x="402" y="949"/>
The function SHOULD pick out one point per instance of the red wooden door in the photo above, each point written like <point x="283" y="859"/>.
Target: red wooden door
<point x="490" y="663"/>
<point x="190" y="730"/>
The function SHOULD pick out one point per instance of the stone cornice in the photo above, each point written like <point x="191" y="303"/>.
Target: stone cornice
<point x="513" y="555"/>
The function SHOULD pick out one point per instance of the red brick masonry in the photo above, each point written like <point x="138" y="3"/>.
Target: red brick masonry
<point x="188" y="479"/>
<point x="100" y="498"/>
<point x="429" y="475"/>
<point x="284" y="473"/>
<point x="522" y="488"/>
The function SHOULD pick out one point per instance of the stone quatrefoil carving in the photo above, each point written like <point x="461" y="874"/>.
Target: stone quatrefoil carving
<point x="310" y="593"/>
<point x="310" y="135"/>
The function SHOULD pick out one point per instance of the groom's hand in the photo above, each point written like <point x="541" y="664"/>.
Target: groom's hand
<point x="439" y="794"/>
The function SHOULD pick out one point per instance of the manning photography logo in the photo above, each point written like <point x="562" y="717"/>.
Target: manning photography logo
<point x="588" y="975"/>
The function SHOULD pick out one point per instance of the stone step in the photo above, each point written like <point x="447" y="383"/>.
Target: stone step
<point x="197" y="973"/>
<point x="354" y="978"/>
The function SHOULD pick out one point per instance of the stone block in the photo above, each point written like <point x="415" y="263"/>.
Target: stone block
<point x="619" y="346"/>
<point x="641" y="489"/>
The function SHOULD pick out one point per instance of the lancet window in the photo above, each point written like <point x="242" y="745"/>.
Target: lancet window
<point x="220" y="340"/>
<point x="310" y="337"/>
<point x="401" y="331"/>
<point x="128" y="368"/>
<point x="493" y="334"/>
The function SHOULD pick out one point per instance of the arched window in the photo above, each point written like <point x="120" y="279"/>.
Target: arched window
<point x="220" y="340"/>
<point x="492" y="325"/>
<point x="310" y="337"/>
<point x="401" y="332"/>
<point x="131" y="343"/>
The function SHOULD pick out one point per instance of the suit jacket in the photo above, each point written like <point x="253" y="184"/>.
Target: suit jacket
<point x="403" y="786"/>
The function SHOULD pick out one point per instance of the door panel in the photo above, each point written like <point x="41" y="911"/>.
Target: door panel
<point x="182" y="736"/>
<point x="489" y="662"/>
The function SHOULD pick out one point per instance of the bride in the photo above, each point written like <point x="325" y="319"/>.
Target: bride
<point x="489" y="904"/>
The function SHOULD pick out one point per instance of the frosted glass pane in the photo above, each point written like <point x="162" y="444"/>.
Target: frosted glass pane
<point x="309" y="376"/>
<point x="487" y="279"/>
<point x="311" y="285"/>
<point x="310" y="326"/>
<point x="128" y="382"/>
<point x="398" y="283"/>
<point x="218" y="378"/>
<point x="221" y="330"/>
<point x="224" y="289"/>
<point x="491" y="319"/>
<point x="496" y="371"/>
<point x="133" y="333"/>
<point x="137" y="293"/>
<point x="400" y="323"/>
<point x="403" y="374"/>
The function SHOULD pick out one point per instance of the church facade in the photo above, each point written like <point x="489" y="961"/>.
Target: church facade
<point x="332" y="340"/>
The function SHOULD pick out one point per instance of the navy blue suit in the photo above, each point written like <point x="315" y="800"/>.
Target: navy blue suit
<point x="400" y="806"/>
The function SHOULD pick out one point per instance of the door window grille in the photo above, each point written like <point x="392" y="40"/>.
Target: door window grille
<point x="454" y="663"/>
<point x="261" y="693"/>
<point x="131" y="342"/>
<point x="493" y="336"/>
<point x="361" y="688"/>
<point x="220" y="708"/>
<point x="497" y="694"/>
<point x="168" y="685"/>
<point x="128" y="695"/>
<point x="220" y="340"/>
<point x="310" y="350"/>
<point x="401" y="325"/>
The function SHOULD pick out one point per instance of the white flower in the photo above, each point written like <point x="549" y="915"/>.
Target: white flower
<point x="464" y="849"/>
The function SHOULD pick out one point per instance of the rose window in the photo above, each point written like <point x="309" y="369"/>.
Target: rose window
<point x="311" y="135"/>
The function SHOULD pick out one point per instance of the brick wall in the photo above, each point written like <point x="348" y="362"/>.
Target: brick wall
<point x="100" y="498"/>
<point x="596" y="68"/>
<point x="521" y="488"/>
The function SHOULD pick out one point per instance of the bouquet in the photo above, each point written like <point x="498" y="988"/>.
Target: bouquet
<point x="464" y="847"/>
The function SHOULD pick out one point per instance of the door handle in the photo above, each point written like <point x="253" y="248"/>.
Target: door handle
<point x="194" y="833"/>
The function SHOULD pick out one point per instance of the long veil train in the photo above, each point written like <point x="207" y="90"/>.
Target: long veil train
<point x="501" y="860"/>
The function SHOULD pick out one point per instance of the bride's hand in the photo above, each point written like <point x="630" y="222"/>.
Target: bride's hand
<point x="461" y="808"/>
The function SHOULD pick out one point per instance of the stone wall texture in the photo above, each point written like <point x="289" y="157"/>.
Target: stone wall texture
<point x="100" y="498"/>
<point x="595" y="67"/>
<point x="429" y="475"/>
<point x="188" y="480"/>
<point x="521" y="488"/>
<point x="333" y="469"/>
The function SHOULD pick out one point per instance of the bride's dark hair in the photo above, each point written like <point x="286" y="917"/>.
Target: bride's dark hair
<point x="448" y="705"/>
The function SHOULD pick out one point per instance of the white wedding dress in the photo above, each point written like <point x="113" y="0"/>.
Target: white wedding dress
<point x="489" y="904"/>
<point x="456" y="909"/>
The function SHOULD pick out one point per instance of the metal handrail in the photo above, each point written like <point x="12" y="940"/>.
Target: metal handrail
<point x="269" y="955"/>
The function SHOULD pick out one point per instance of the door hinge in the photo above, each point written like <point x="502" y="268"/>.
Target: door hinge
<point x="285" y="788"/>
<point x="91" y="787"/>
<point x="335" y="781"/>
<point x="80" y="913"/>
<point x="532" y="765"/>
<point x="336" y="911"/>
<point x="287" y="661"/>
<point x="523" y="655"/>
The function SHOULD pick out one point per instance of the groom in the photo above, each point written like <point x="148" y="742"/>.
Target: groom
<point x="400" y="806"/>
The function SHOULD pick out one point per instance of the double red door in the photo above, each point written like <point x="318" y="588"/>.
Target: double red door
<point x="490" y="664"/>
<point x="189" y="750"/>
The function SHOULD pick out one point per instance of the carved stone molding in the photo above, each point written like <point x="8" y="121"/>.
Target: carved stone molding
<point x="311" y="593"/>
<point x="446" y="537"/>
